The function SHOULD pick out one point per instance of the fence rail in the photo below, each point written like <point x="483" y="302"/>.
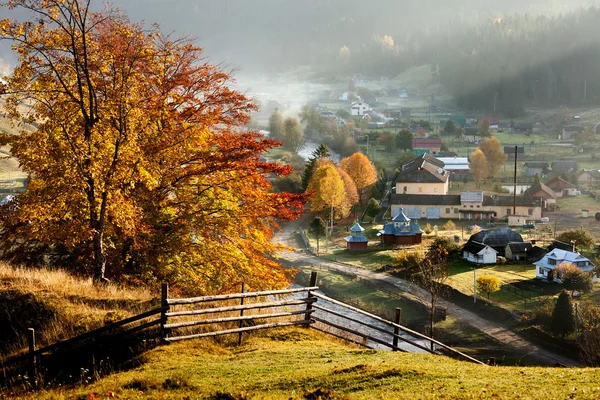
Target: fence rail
<point x="267" y="300"/>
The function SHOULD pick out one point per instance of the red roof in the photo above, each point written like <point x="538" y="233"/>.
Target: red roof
<point x="426" y="143"/>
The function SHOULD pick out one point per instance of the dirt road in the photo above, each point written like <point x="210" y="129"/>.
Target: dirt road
<point x="498" y="331"/>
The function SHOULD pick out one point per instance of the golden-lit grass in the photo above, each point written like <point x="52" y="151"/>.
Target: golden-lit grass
<point x="60" y="305"/>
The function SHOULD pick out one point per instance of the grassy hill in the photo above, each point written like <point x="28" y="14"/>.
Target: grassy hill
<point x="303" y="364"/>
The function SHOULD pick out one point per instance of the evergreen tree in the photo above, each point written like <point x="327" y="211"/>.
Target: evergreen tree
<point x="563" y="320"/>
<point x="320" y="152"/>
<point x="317" y="229"/>
<point x="381" y="185"/>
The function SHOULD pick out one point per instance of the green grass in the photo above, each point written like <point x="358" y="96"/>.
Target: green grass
<point x="293" y="363"/>
<point x="578" y="203"/>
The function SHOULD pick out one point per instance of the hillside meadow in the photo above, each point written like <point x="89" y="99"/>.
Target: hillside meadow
<point x="304" y="364"/>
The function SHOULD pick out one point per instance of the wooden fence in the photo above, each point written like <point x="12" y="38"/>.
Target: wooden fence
<point x="271" y="309"/>
<point x="29" y="361"/>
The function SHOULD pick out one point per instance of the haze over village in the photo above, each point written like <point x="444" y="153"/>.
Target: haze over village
<point x="318" y="199"/>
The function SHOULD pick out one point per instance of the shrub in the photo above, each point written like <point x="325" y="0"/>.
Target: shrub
<point x="488" y="284"/>
<point x="449" y="226"/>
<point x="563" y="321"/>
<point x="428" y="229"/>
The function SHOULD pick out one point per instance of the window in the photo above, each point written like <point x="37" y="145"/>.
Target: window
<point x="508" y="211"/>
<point x="478" y="206"/>
<point x="530" y="211"/>
<point x="471" y="205"/>
<point x="435" y="190"/>
<point x="456" y="211"/>
<point x="542" y="271"/>
<point x="405" y="189"/>
<point x="447" y="211"/>
<point x="551" y="261"/>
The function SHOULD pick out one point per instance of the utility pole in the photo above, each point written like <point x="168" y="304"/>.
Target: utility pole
<point x="515" y="183"/>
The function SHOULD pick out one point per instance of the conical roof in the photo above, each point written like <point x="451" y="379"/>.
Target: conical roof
<point x="401" y="217"/>
<point x="357" y="228"/>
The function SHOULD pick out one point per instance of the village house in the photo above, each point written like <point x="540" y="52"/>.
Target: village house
<point x="426" y="146"/>
<point x="561" y="187"/>
<point x="523" y="127"/>
<point x="466" y="206"/>
<point x="479" y="253"/>
<point x="556" y="257"/>
<point x="359" y="108"/>
<point x="497" y="239"/>
<point x="563" y="167"/>
<point x="458" y="167"/>
<point x="401" y="230"/>
<point x="535" y="167"/>
<point x="356" y="240"/>
<point x="569" y="130"/>
<point x="516" y="251"/>
<point x="588" y="178"/>
<point x="423" y="175"/>
<point x="542" y="191"/>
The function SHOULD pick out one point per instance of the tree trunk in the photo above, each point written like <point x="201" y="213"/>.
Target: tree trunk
<point x="99" y="259"/>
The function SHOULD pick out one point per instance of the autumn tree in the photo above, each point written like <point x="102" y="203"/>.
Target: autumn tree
<point x="483" y="127"/>
<point x="361" y="170"/>
<point x="573" y="278"/>
<point x="494" y="155"/>
<point x="317" y="229"/>
<point x="137" y="163"/>
<point x="351" y="197"/>
<point x="478" y="165"/>
<point x="488" y="284"/>
<point x="319" y="153"/>
<point x="432" y="276"/>
<point x="276" y="126"/>
<point x="293" y="137"/>
<point x="578" y="237"/>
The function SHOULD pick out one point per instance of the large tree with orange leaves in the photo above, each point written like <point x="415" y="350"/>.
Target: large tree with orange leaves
<point x="137" y="163"/>
<point x="361" y="170"/>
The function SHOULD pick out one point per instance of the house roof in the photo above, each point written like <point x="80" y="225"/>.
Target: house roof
<point x="573" y="128"/>
<point x="357" y="228"/>
<point x="594" y="173"/>
<point x="519" y="247"/>
<point x="401" y="217"/>
<point x="536" y="164"/>
<point x="537" y="187"/>
<point x="356" y="239"/>
<point x="471" y="197"/>
<point x="423" y="169"/>
<point x="564" y="256"/>
<point x="557" y="244"/>
<point x="426" y="199"/>
<point x="564" y="166"/>
<point x="536" y="253"/>
<point x="511" y="150"/>
<point x="507" y="201"/>
<point x="390" y="228"/>
<point x="496" y="238"/>
<point x="560" y="183"/>
<point x="474" y="247"/>
<point x="426" y="143"/>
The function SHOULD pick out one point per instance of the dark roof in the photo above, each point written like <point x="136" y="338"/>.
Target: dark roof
<point x="496" y="238"/>
<point x="573" y="128"/>
<point x="411" y="229"/>
<point x="536" y="187"/>
<point x="511" y="149"/>
<point x="564" y="166"/>
<point x="473" y="247"/>
<point x="446" y="154"/>
<point x="557" y="244"/>
<point x="522" y="201"/>
<point x="560" y="183"/>
<point x="426" y="199"/>
<point x="537" y="164"/>
<point x="523" y="125"/>
<point x="594" y="173"/>
<point x="427" y="143"/>
<point x="423" y="169"/>
<point x="536" y="253"/>
<point x="519" y="247"/>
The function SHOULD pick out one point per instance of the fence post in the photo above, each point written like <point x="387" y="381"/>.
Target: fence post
<point x="313" y="282"/>
<point x="164" y="296"/>
<point x="241" y="315"/>
<point x="396" y="329"/>
<point x="32" y="370"/>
